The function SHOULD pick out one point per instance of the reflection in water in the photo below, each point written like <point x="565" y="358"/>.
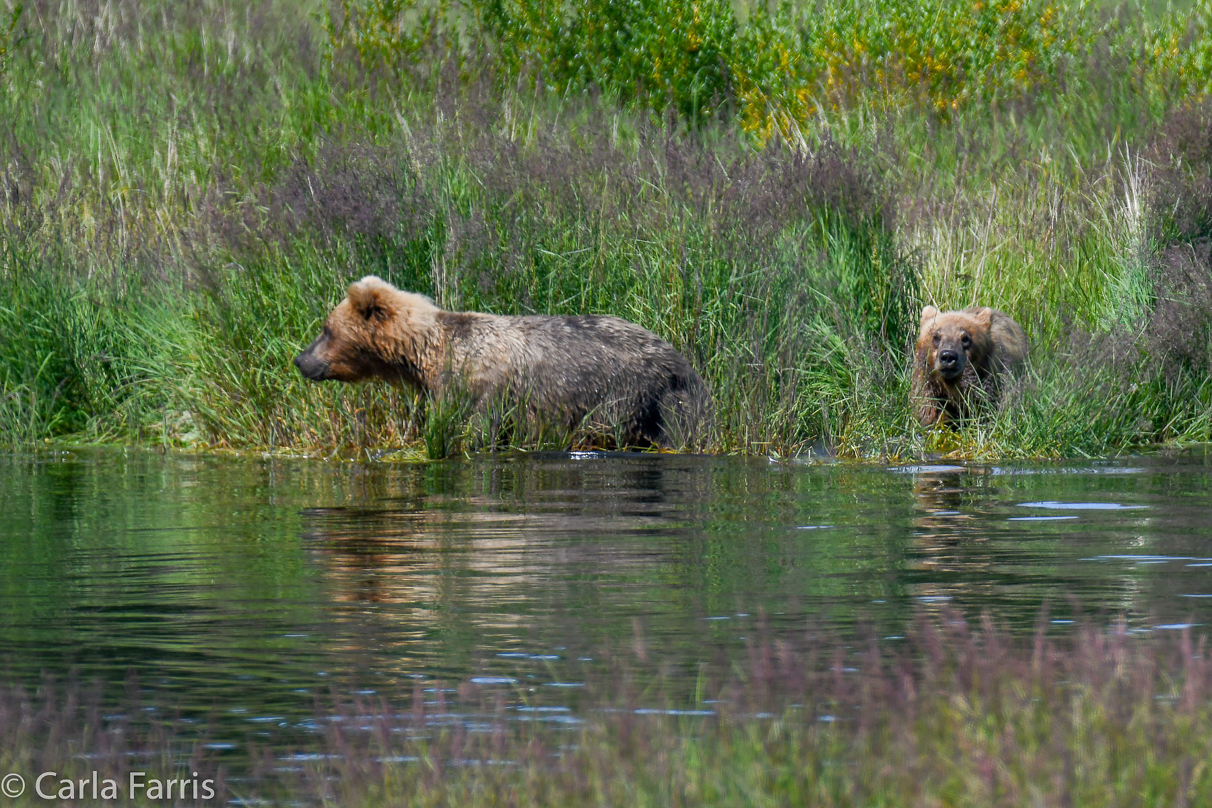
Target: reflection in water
<point x="503" y="557"/>
<point x="977" y="550"/>
<point x="951" y="541"/>
<point x="262" y="584"/>
<point x="501" y="544"/>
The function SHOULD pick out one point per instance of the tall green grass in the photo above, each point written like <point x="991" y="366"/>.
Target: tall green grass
<point x="187" y="189"/>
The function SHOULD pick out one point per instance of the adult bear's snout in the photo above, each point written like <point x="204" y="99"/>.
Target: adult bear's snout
<point x="311" y="366"/>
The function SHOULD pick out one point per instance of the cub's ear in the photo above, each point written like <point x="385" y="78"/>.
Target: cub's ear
<point x="372" y="297"/>
<point x="928" y="314"/>
<point x="984" y="317"/>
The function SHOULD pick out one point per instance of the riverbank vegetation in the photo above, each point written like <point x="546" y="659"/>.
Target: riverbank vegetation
<point x="186" y="189"/>
<point x="955" y="713"/>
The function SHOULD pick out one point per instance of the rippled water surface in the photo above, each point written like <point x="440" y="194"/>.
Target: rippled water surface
<point x="255" y="586"/>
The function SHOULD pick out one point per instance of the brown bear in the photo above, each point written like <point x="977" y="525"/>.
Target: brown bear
<point x="961" y="359"/>
<point x="573" y="370"/>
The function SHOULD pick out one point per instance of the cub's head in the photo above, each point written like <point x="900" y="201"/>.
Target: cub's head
<point x="373" y="333"/>
<point x="949" y="341"/>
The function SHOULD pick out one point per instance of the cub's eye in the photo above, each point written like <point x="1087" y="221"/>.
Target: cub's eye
<point x="966" y="340"/>
<point x="327" y="333"/>
<point x="936" y="339"/>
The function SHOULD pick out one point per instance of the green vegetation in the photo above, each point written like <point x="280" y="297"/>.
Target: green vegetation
<point x="185" y="190"/>
<point x="954" y="716"/>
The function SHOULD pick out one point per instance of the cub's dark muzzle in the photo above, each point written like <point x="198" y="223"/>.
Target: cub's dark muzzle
<point x="950" y="364"/>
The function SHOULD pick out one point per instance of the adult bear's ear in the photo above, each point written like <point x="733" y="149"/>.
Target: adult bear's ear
<point x="372" y="297"/>
<point x="984" y="317"/>
<point x="928" y="314"/>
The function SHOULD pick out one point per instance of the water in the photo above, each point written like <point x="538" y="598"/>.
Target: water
<point x="251" y="588"/>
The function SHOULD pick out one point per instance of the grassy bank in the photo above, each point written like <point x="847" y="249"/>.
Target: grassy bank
<point x="954" y="714"/>
<point x="187" y="189"/>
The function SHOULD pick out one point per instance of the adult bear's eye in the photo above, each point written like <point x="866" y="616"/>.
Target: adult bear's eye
<point x="966" y="340"/>
<point x="936" y="338"/>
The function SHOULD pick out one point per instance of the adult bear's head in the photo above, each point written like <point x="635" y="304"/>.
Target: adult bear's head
<point x="377" y="331"/>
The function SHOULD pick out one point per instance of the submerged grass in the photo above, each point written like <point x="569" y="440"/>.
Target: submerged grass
<point x="186" y="189"/>
<point x="957" y="714"/>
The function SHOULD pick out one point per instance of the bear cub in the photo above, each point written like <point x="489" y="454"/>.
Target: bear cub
<point x="961" y="361"/>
